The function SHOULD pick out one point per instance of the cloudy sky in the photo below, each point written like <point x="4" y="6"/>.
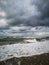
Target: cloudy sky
<point x="24" y="17"/>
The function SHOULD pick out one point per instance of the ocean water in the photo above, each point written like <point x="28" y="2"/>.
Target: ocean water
<point x="23" y="50"/>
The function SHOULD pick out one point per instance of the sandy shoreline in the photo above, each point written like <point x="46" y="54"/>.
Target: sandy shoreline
<point x="42" y="59"/>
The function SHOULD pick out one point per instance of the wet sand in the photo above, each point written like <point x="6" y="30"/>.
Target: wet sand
<point x="42" y="59"/>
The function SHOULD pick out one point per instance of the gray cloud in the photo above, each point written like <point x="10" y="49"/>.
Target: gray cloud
<point x="30" y="12"/>
<point x="23" y="13"/>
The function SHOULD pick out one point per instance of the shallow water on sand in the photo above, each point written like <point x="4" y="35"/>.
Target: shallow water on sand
<point x="42" y="59"/>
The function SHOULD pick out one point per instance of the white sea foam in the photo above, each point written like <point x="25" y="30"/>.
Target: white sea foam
<point x="31" y="40"/>
<point x="23" y="50"/>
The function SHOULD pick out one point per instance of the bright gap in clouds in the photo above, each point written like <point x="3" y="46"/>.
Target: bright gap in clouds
<point x="2" y="14"/>
<point x="3" y="22"/>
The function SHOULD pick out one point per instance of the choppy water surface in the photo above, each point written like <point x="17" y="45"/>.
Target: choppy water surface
<point x="23" y="50"/>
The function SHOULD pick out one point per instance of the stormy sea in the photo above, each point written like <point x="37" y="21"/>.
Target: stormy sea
<point x="32" y="49"/>
<point x="24" y="32"/>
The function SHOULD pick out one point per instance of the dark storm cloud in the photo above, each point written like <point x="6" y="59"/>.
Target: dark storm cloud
<point x="44" y="8"/>
<point x="23" y="13"/>
<point x="4" y="28"/>
<point x="41" y="19"/>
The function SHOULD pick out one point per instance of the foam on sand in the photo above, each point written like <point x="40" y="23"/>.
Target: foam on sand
<point x="23" y="50"/>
